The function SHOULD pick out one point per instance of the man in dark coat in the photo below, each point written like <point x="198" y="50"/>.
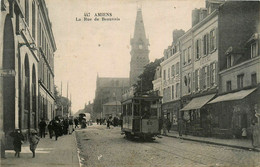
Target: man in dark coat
<point x="42" y="126"/>
<point x="18" y="140"/>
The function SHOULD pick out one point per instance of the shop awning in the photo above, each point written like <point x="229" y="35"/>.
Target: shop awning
<point x="232" y="96"/>
<point x="198" y="102"/>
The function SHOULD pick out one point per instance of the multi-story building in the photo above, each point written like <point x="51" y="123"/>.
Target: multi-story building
<point x="171" y="80"/>
<point x="238" y="97"/>
<point x="47" y="47"/>
<point x="111" y="109"/>
<point x="139" y="49"/>
<point x="199" y="63"/>
<point x="20" y="56"/>
<point x="108" y="90"/>
<point x="207" y="52"/>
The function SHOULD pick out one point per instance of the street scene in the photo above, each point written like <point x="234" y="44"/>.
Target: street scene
<point x="129" y="83"/>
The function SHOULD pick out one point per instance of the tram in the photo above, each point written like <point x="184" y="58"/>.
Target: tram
<point x="140" y="116"/>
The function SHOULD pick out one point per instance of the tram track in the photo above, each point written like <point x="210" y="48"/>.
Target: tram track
<point x="189" y="154"/>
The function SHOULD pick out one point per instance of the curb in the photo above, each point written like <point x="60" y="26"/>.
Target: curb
<point x="214" y="143"/>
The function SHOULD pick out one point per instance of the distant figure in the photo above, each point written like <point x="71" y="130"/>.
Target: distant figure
<point x="70" y="126"/>
<point x="42" y="126"/>
<point x="33" y="140"/>
<point x="76" y="122"/>
<point x="108" y="123"/>
<point x="164" y="126"/>
<point x="18" y="141"/>
<point x="168" y="123"/>
<point x="50" y="128"/>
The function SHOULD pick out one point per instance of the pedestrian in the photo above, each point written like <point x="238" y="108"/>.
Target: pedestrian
<point x="168" y="122"/>
<point x="164" y="126"/>
<point x="65" y="126"/>
<point x="57" y="129"/>
<point x="42" y="127"/>
<point x="108" y="123"/>
<point x="180" y="124"/>
<point x="76" y="122"/>
<point x="33" y="140"/>
<point x="70" y="126"/>
<point x="18" y="141"/>
<point x="244" y="133"/>
<point x="50" y="128"/>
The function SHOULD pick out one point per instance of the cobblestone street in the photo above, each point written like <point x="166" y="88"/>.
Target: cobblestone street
<point x="107" y="147"/>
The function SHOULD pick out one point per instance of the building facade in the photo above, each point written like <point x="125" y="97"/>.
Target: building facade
<point x="47" y="47"/>
<point x="112" y="109"/>
<point x="171" y="84"/>
<point x="217" y="58"/>
<point x="139" y="49"/>
<point x="20" y="57"/>
<point x="108" y="90"/>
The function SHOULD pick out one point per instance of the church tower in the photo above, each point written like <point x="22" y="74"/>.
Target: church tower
<point x="139" y="49"/>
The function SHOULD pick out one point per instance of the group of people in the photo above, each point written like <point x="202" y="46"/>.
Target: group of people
<point x="115" y="121"/>
<point x="19" y="140"/>
<point x="56" y="127"/>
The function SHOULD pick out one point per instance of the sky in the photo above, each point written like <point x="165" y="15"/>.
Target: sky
<point x="88" y="48"/>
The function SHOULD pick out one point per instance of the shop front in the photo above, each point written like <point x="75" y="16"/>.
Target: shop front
<point x="170" y="111"/>
<point x="235" y="112"/>
<point x="197" y="117"/>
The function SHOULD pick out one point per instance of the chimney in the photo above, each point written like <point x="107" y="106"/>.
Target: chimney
<point x="195" y="16"/>
<point x="203" y="14"/>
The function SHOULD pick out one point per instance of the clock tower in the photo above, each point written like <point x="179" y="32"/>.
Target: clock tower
<point x="139" y="49"/>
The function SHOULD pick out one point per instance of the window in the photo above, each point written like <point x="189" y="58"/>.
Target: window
<point x="33" y="20"/>
<point x="189" y="55"/>
<point x="229" y="87"/>
<point x="198" y="48"/>
<point x="229" y="61"/>
<point x="206" y="44"/>
<point x="177" y="68"/>
<point x="253" y="50"/>
<point x="240" y="81"/>
<point x="213" y="40"/>
<point x="253" y="79"/>
<point x="204" y="77"/>
<point x="177" y="95"/>
<point x="169" y="73"/>
<point x="172" y="91"/>
<point x="197" y="80"/>
<point x="189" y="82"/>
<point x="184" y="57"/>
<point x="164" y="74"/>
<point x="212" y="74"/>
<point x="173" y="70"/>
<point x="27" y="12"/>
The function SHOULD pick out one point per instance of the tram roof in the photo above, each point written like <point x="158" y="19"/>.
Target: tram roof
<point x="143" y="97"/>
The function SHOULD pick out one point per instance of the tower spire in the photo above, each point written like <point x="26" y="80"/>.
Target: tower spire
<point x="139" y="49"/>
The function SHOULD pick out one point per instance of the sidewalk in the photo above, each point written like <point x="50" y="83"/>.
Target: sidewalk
<point x="236" y="143"/>
<point x="49" y="152"/>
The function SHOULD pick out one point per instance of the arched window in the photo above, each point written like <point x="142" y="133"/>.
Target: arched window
<point x="26" y="92"/>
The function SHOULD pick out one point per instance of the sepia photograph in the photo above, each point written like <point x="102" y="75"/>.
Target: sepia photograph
<point x="123" y="83"/>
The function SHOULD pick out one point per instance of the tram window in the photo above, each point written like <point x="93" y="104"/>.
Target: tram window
<point x="129" y="109"/>
<point x="136" y="110"/>
<point x="154" y="108"/>
<point x="145" y="109"/>
<point x="124" y="110"/>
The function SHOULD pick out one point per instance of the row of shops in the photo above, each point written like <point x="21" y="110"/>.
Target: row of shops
<point x="213" y="115"/>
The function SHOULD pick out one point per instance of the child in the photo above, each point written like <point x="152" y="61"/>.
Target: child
<point x="34" y="140"/>
<point x="18" y="140"/>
